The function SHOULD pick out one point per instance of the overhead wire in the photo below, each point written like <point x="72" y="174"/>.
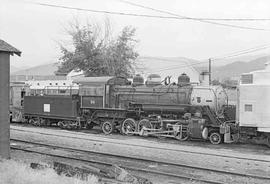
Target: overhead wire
<point x="232" y="54"/>
<point x="106" y="12"/>
<point x="175" y="16"/>
<point x="246" y="51"/>
<point x="235" y="55"/>
<point x="215" y="58"/>
<point x="233" y="19"/>
<point x="191" y="18"/>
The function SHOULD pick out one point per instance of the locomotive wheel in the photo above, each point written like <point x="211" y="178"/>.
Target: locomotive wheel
<point x="89" y="126"/>
<point x="60" y="124"/>
<point x="31" y="121"/>
<point x="107" y="127"/>
<point x="64" y="124"/>
<point x="128" y="126"/>
<point x="185" y="133"/>
<point x="35" y="122"/>
<point x="268" y="142"/>
<point x="215" y="138"/>
<point x="184" y="136"/>
<point x="67" y="125"/>
<point x="41" y="122"/>
<point x="144" y="123"/>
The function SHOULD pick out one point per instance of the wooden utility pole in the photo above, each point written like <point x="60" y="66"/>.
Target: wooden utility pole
<point x="210" y="71"/>
<point x="5" y="51"/>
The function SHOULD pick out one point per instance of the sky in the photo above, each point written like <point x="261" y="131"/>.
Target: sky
<point x="36" y="30"/>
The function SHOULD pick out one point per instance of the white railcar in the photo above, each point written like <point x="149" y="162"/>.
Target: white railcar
<point x="253" y="106"/>
<point x="52" y="87"/>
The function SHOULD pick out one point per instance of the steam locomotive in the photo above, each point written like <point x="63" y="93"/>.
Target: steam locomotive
<point x="181" y="110"/>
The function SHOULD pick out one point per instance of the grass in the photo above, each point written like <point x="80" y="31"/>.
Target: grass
<point x="14" y="172"/>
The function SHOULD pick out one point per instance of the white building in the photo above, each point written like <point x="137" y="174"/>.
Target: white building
<point x="52" y="87"/>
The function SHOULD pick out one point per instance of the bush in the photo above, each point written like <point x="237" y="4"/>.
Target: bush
<point x="13" y="172"/>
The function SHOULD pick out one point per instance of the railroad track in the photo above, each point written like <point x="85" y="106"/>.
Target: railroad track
<point x="162" y="168"/>
<point x="142" y="146"/>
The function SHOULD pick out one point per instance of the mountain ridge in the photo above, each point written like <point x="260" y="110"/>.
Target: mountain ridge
<point x="235" y="69"/>
<point x="169" y="65"/>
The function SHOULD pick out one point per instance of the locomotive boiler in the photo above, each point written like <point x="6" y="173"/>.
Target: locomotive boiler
<point x="171" y="98"/>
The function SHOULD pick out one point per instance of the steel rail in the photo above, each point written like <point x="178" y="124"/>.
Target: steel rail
<point x="125" y="167"/>
<point x="147" y="160"/>
<point x="142" y="146"/>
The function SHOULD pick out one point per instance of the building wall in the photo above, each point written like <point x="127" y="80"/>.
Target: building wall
<point x="4" y="107"/>
<point x="18" y="78"/>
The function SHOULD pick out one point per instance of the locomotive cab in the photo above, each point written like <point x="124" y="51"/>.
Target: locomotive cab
<point x="98" y="103"/>
<point x="97" y="92"/>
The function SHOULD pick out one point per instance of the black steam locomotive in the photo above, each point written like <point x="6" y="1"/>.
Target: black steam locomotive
<point x="181" y="110"/>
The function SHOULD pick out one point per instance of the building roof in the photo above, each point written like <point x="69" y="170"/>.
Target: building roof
<point x="5" y="47"/>
<point x="74" y="73"/>
<point x="98" y="81"/>
<point x="93" y="80"/>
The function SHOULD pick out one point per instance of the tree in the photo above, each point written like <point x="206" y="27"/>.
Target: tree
<point x="215" y="82"/>
<point x="120" y="54"/>
<point x="97" y="54"/>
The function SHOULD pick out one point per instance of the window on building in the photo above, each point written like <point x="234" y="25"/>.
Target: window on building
<point x="56" y="84"/>
<point x="38" y="84"/>
<point x="62" y="91"/>
<point x="64" y="83"/>
<point x="50" y="84"/>
<point x="247" y="79"/>
<point x="248" y="108"/>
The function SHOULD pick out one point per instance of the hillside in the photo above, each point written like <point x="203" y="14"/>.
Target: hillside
<point x="13" y="69"/>
<point x="172" y="66"/>
<point x="235" y="69"/>
<point x="46" y="69"/>
<point x="167" y="66"/>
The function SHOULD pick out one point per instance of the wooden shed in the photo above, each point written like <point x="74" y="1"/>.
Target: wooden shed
<point x="5" y="51"/>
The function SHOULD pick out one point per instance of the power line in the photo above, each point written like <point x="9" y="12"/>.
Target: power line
<point x="191" y="18"/>
<point x="107" y="12"/>
<point x="240" y="51"/>
<point x="181" y="66"/>
<point x="232" y="54"/>
<point x="246" y="52"/>
<point x="168" y="60"/>
<point x="214" y="59"/>
<point x="206" y="20"/>
<point x="175" y="16"/>
<point x="234" y="19"/>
